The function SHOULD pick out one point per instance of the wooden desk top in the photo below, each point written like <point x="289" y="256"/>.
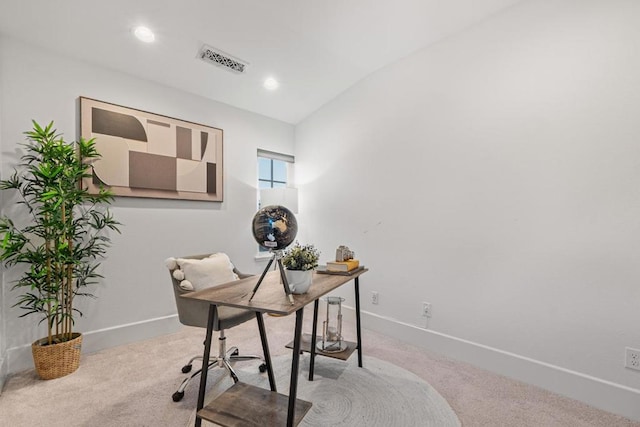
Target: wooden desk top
<point x="270" y="297"/>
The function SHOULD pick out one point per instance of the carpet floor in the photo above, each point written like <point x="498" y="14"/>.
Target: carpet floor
<point x="131" y="385"/>
<point x="378" y="395"/>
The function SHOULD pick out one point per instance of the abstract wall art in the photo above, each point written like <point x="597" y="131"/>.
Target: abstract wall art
<point x="149" y="155"/>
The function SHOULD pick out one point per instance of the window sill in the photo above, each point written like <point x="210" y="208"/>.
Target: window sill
<point x="263" y="256"/>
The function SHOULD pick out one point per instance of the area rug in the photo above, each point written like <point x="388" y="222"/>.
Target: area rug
<point x="380" y="394"/>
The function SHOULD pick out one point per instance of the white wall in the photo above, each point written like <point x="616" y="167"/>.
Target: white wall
<point x="493" y="175"/>
<point x="496" y="175"/>
<point x="135" y="300"/>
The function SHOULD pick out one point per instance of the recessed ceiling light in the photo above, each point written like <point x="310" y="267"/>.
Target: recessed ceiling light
<point x="271" y="84"/>
<point x="144" y="34"/>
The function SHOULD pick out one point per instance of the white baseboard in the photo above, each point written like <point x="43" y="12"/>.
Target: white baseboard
<point x="20" y="359"/>
<point x="124" y="334"/>
<point x="602" y="394"/>
<point x="3" y="371"/>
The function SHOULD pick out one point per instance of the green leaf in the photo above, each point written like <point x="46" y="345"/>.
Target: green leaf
<point x="46" y="183"/>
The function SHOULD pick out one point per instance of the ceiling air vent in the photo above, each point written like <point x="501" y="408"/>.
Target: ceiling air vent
<point x="217" y="57"/>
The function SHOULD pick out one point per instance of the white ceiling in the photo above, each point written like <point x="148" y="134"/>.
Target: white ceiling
<point x="316" y="49"/>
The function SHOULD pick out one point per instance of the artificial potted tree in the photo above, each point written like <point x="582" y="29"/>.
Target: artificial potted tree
<point x="299" y="262"/>
<point x="58" y="237"/>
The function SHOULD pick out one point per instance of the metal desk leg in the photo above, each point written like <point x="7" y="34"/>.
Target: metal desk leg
<point x="295" y="362"/>
<point x="205" y="362"/>
<point x="357" y="287"/>
<point x="314" y="331"/>
<point x="265" y="350"/>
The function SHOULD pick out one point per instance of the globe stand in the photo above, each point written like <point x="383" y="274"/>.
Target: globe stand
<point x="276" y="256"/>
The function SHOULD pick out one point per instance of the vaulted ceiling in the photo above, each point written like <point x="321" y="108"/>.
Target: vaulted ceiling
<point x="315" y="49"/>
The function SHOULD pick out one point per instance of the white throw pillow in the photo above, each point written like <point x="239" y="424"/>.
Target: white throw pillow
<point x="178" y="274"/>
<point x="171" y="263"/>
<point x="204" y="273"/>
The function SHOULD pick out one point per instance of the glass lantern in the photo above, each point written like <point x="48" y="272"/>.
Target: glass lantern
<point x="332" y="327"/>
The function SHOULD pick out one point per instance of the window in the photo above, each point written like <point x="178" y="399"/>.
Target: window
<point x="275" y="170"/>
<point x="272" y="173"/>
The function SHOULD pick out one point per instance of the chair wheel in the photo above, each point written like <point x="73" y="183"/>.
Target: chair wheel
<point x="177" y="396"/>
<point x="186" y="368"/>
<point x="263" y="367"/>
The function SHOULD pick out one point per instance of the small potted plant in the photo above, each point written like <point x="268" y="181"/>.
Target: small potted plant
<point x="58" y="238"/>
<point x="299" y="261"/>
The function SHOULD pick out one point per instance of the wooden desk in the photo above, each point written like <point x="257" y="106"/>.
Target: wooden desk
<point x="227" y="410"/>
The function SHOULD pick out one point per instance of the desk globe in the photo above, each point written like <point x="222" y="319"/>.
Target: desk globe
<point x="274" y="227"/>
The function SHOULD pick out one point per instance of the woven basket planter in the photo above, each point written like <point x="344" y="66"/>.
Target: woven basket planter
<point x="56" y="360"/>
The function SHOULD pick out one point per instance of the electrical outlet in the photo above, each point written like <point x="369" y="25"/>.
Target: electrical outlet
<point x="374" y="297"/>
<point x="632" y="359"/>
<point x="426" y="309"/>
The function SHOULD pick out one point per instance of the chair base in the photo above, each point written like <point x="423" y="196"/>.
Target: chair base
<point x="223" y="360"/>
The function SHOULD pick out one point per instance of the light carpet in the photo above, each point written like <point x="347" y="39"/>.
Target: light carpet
<point x="379" y="394"/>
<point x="131" y="385"/>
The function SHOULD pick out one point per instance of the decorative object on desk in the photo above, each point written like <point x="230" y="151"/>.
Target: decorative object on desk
<point x="343" y="253"/>
<point x="349" y="265"/>
<point x="60" y="238"/>
<point x="332" y="327"/>
<point x="322" y="269"/>
<point x="344" y="260"/>
<point x="299" y="261"/>
<point x="299" y="281"/>
<point x="301" y="257"/>
<point x="274" y="228"/>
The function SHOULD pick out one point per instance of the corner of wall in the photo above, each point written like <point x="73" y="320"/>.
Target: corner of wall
<point x="3" y="350"/>
<point x="3" y="345"/>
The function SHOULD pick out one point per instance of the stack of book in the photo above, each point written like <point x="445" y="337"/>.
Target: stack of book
<point x="338" y="266"/>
